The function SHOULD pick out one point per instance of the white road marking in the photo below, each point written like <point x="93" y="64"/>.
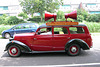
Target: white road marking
<point x="70" y="65"/>
<point x="67" y="65"/>
<point x="85" y="64"/>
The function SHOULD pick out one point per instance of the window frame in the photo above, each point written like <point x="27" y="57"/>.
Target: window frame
<point x="76" y="27"/>
<point x="42" y="28"/>
<point x="61" y="27"/>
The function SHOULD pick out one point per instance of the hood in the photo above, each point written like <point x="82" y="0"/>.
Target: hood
<point x="23" y="36"/>
<point x="6" y="30"/>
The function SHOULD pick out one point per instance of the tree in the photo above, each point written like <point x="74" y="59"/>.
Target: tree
<point x="24" y="15"/>
<point x="60" y="15"/>
<point x="4" y="15"/>
<point x="80" y="18"/>
<point x="40" y="6"/>
<point x="98" y="15"/>
<point x="3" y="18"/>
<point x="82" y="12"/>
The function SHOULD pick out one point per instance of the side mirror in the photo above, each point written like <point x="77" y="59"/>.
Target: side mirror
<point x="13" y="29"/>
<point x="36" y="33"/>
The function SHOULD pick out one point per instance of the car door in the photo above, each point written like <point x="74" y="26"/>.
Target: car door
<point x="28" y="28"/>
<point x="60" y="38"/>
<point x="17" y="29"/>
<point x="21" y="29"/>
<point x="25" y="28"/>
<point x="42" y="42"/>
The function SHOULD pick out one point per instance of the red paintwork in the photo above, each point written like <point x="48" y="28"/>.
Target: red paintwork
<point x="51" y="42"/>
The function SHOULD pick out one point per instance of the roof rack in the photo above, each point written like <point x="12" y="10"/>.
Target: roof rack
<point x="61" y="23"/>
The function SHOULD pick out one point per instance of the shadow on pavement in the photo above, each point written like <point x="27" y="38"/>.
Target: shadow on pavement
<point x="49" y="54"/>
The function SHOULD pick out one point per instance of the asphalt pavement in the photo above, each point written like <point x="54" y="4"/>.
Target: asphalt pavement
<point x="87" y="58"/>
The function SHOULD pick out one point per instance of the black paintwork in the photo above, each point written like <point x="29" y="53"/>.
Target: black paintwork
<point x="22" y="46"/>
<point x="80" y="42"/>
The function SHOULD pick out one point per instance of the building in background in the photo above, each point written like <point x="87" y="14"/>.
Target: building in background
<point x="10" y="7"/>
<point x="92" y="6"/>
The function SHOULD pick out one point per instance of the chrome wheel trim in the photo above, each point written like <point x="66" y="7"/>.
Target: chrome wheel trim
<point x="73" y="49"/>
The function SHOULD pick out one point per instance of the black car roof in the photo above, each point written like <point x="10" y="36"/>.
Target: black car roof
<point x="44" y="25"/>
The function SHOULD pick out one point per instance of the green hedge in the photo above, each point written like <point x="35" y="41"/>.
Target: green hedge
<point x="93" y="26"/>
<point x="14" y="20"/>
<point x="93" y="18"/>
<point x="10" y="20"/>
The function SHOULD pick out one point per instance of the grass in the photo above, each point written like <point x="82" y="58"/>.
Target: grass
<point x="95" y="34"/>
<point x="93" y="27"/>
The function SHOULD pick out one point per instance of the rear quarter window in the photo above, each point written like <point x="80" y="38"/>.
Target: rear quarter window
<point x="28" y="26"/>
<point x="76" y="30"/>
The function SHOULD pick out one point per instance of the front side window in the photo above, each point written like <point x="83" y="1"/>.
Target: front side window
<point x="76" y="30"/>
<point x="60" y="30"/>
<point x="18" y="27"/>
<point x="45" y="31"/>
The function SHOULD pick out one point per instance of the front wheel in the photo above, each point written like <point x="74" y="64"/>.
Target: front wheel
<point x="73" y="50"/>
<point x="14" y="51"/>
<point x="7" y="35"/>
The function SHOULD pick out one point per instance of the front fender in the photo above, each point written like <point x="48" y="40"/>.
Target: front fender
<point x="21" y="45"/>
<point x="80" y="42"/>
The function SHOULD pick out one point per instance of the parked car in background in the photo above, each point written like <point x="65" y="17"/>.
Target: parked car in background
<point x="20" y="28"/>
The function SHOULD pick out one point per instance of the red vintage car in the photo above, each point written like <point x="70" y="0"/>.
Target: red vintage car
<point x="71" y="38"/>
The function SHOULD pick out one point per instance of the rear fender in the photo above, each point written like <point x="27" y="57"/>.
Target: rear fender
<point x="80" y="42"/>
<point x="22" y="46"/>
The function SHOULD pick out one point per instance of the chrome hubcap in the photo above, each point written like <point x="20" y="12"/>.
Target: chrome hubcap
<point x="14" y="50"/>
<point x="74" y="49"/>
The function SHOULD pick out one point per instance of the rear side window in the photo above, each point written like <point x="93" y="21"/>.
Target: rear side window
<point x="60" y="30"/>
<point x="32" y="26"/>
<point x="28" y="26"/>
<point x="76" y="30"/>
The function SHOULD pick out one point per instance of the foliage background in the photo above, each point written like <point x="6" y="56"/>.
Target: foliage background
<point x="91" y="20"/>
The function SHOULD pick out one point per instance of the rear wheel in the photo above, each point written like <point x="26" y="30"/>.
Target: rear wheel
<point x="7" y="35"/>
<point x="73" y="50"/>
<point x="14" y="51"/>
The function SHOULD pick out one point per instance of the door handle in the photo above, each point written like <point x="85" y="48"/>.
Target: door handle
<point x="35" y="38"/>
<point x="68" y="37"/>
